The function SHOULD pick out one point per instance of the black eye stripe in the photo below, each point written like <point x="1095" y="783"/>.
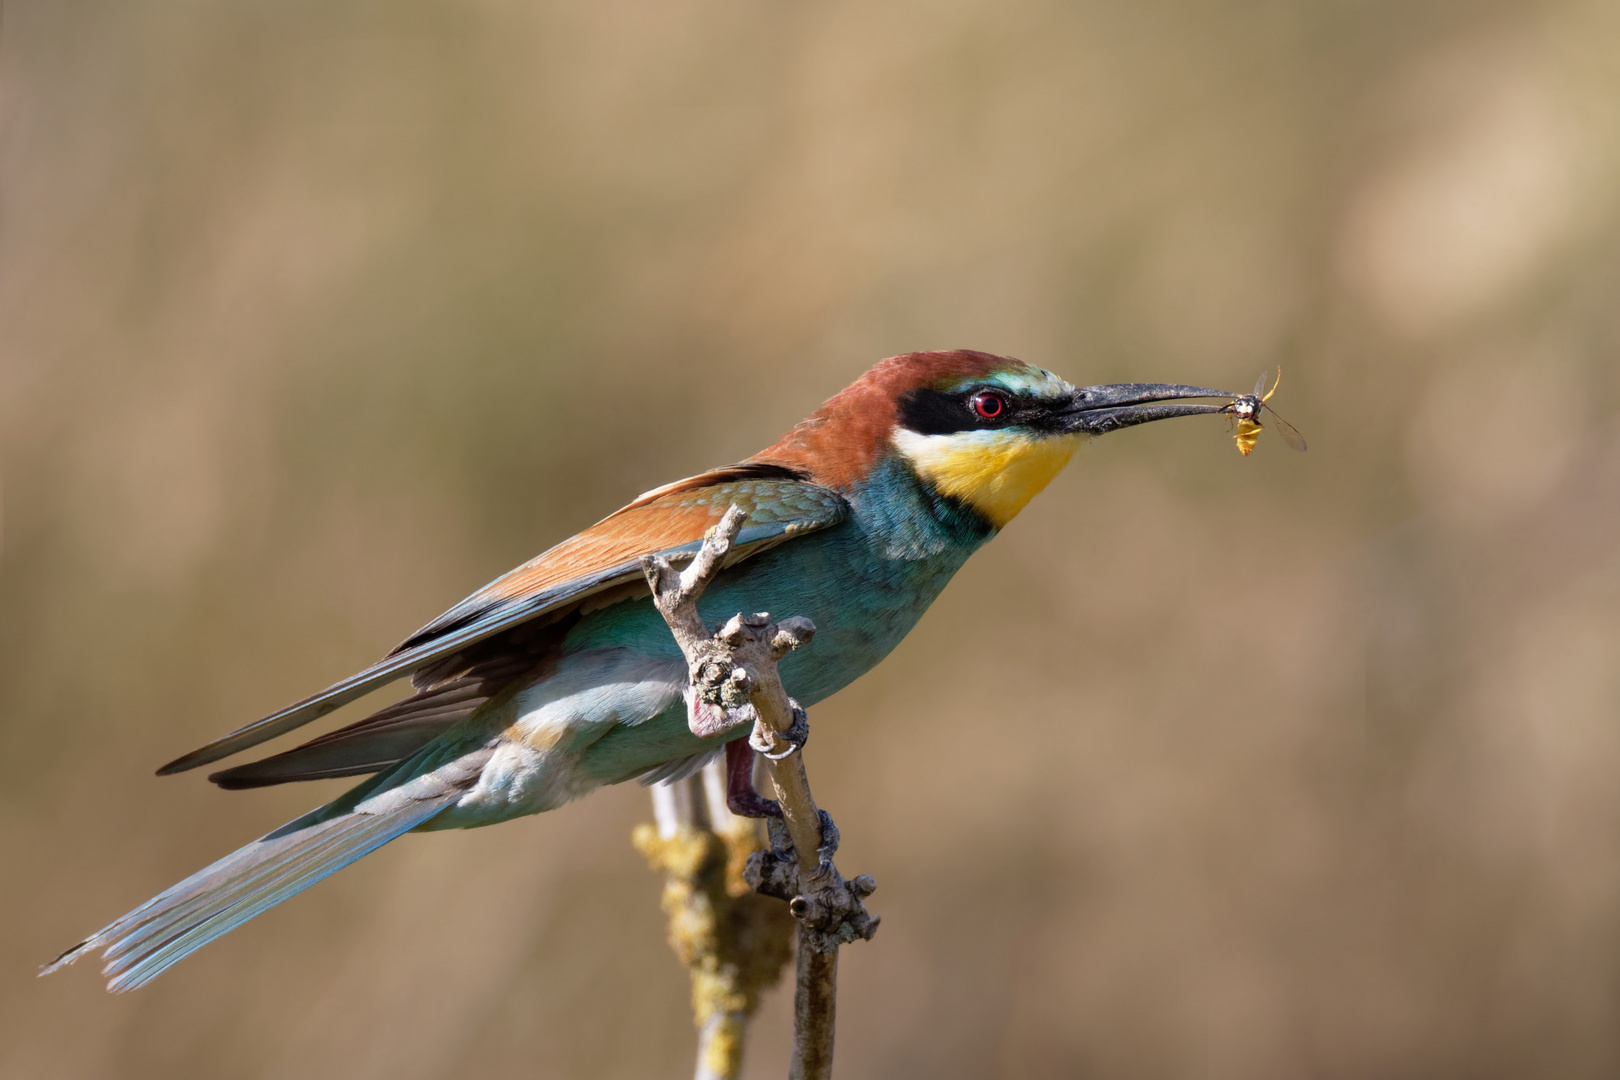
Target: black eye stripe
<point x="935" y="412"/>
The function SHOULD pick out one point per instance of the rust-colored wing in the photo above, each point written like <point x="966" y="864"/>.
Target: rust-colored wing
<point x="669" y="521"/>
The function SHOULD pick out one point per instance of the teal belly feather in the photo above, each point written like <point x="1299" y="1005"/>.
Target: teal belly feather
<point x="864" y="582"/>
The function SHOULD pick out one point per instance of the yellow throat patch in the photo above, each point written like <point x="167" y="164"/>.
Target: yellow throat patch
<point x="995" y="472"/>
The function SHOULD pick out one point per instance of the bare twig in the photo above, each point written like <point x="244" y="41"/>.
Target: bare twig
<point x="734" y="681"/>
<point x="733" y="941"/>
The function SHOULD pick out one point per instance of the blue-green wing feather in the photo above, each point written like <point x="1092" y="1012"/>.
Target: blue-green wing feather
<point x="670" y="521"/>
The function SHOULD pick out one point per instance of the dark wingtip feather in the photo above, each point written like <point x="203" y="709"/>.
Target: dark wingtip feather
<point x="244" y="777"/>
<point x="229" y="782"/>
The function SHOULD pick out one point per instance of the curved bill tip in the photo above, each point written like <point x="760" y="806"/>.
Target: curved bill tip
<point x="1096" y="410"/>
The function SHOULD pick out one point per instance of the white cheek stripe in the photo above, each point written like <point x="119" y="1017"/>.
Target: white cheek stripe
<point x="928" y="451"/>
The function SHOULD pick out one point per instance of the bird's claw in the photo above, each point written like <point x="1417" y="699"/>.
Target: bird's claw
<point x="782" y="842"/>
<point x="830" y="908"/>
<point x="797" y="734"/>
<point x="829" y="844"/>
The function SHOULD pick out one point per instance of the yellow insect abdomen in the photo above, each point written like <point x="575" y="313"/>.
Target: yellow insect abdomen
<point x="1248" y="433"/>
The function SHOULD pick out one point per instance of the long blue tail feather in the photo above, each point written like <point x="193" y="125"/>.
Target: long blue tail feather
<point x="210" y="903"/>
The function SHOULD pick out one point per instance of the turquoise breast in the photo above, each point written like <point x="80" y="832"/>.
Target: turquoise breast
<point x="864" y="582"/>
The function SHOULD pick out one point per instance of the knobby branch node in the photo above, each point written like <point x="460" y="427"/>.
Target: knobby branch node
<point x="734" y="681"/>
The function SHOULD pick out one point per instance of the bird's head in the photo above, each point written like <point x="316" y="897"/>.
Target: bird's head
<point x="987" y="431"/>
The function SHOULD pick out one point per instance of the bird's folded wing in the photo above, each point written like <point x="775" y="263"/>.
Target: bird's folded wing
<point x="669" y="521"/>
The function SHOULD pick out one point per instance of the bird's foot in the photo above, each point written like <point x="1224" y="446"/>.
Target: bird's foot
<point x="797" y="734"/>
<point x="751" y="804"/>
<point x="829" y="844"/>
<point x="782" y="842"/>
<point x="832" y="908"/>
<point x="741" y="797"/>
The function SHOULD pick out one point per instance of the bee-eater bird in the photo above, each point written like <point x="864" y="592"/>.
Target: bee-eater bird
<point x="561" y="676"/>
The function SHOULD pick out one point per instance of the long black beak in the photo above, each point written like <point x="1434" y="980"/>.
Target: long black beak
<point x="1095" y="410"/>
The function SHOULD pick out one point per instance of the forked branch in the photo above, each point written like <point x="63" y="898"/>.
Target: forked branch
<point x="734" y="681"/>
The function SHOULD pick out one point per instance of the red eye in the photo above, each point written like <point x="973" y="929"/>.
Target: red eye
<point x="989" y="405"/>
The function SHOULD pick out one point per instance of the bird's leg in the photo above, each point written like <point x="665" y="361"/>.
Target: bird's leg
<point x="741" y="796"/>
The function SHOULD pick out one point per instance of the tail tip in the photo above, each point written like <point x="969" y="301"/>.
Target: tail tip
<point x="65" y="958"/>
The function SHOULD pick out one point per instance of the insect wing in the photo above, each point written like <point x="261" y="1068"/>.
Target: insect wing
<point x="1290" y="434"/>
<point x="1260" y="386"/>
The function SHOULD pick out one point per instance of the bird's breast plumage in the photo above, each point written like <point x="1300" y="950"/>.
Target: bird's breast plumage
<point x="864" y="582"/>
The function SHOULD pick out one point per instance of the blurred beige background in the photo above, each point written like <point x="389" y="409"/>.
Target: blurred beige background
<point x="315" y="316"/>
